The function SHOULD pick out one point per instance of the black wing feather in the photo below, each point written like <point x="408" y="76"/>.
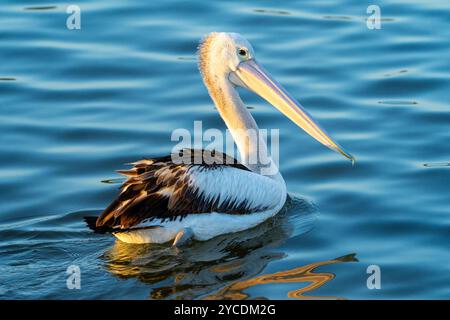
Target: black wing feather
<point x="142" y="196"/>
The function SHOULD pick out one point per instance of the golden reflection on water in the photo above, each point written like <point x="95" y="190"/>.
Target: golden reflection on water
<point x="301" y="274"/>
<point x="223" y="267"/>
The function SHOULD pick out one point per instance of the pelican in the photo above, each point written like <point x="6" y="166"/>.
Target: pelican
<point x="166" y="201"/>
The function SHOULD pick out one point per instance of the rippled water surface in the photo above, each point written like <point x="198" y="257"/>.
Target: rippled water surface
<point x="75" y="105"/>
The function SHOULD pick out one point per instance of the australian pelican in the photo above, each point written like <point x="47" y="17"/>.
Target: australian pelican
<point x="163" y="200"/>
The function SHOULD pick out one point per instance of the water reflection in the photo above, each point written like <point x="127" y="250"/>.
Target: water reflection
<point x="226" y="265"/>
<point x="198" y="268"/>
<point x="302" y="274"/>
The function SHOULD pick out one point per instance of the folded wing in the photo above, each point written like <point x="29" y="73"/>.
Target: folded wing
<point x="159" y="189"/>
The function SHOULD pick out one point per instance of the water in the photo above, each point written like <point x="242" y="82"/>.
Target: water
<point x="77" y="105"/>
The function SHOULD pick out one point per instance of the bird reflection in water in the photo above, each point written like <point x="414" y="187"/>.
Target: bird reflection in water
<point x="301" y="274"/>
<point x="223" y="267"/>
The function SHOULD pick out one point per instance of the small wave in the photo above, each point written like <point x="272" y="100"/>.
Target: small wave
<point x="40" y="8"/>
<point x="272" y="11"/>
<point x="436" y="164"/>
<point x="398" y="102"/>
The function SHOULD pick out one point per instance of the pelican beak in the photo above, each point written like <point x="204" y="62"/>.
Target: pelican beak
<point x="252" y="76"/>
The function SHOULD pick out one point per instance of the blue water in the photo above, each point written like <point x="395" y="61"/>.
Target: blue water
<point x="75" y="105"/>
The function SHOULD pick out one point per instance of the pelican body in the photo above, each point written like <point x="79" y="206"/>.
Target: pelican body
<point x="163" y="200"/>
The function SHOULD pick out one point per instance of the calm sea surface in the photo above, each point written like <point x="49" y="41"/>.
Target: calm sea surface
<point x="75" y="105"/>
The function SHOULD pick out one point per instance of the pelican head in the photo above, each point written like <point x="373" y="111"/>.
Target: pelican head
<point x="229" y="59"/>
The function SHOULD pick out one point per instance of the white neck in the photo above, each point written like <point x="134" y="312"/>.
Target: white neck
<point x="251" y="145"/>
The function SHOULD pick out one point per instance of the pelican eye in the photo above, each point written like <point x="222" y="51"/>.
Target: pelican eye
<point x="242" y="52"/>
